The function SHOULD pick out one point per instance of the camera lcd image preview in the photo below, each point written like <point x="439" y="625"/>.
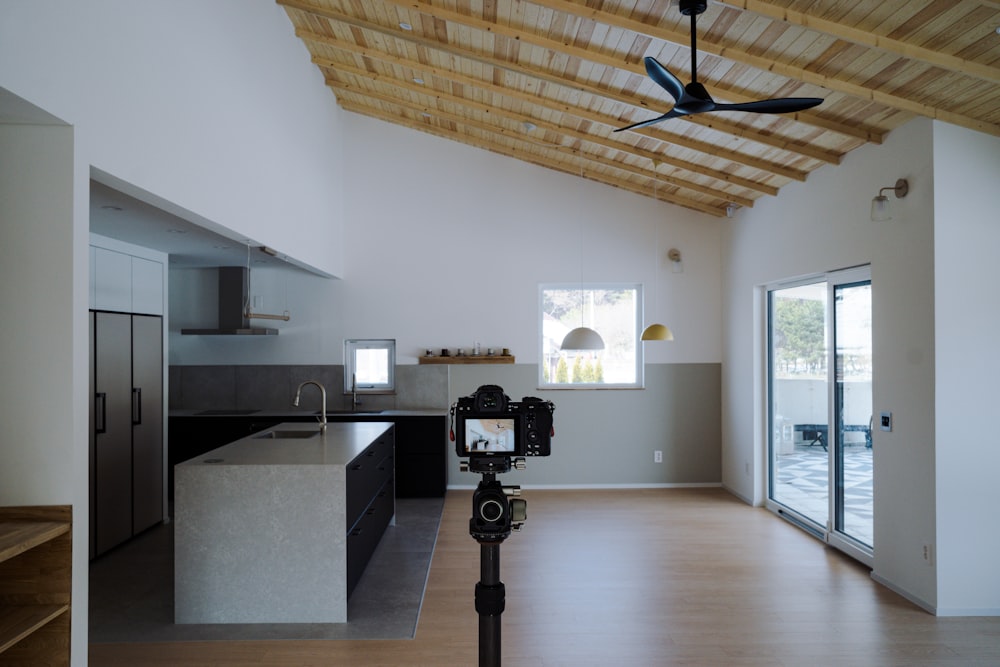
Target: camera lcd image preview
<point x="490" y="435"/>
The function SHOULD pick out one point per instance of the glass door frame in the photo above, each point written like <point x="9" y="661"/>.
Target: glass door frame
<point x="835" y="536"/>
<point x="829" y="533"/>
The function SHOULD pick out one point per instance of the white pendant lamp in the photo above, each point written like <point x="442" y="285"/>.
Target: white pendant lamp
<point x="582" y="338"/>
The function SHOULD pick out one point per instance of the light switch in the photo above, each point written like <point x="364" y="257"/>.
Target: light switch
<point x="886" y="421"/>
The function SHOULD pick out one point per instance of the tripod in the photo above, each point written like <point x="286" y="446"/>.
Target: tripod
<point x="493" y="518"/>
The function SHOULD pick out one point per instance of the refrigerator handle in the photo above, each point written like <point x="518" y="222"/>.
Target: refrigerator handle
<point x="100" y="412"/>
<point x="136" y="406"/>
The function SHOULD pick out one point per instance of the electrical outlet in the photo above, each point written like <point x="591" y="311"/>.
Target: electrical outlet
<point x="658" y="456"/>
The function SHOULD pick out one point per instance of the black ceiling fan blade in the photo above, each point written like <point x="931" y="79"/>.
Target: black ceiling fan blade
<point x="781" y="105"/>
<point x="663" y="77"/>
<point x="673" y="113"/>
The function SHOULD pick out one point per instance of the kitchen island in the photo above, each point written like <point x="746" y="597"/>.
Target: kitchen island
<point x="277" y="527"/>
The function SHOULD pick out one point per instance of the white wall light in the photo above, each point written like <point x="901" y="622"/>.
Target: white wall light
<point x="880" y="204"/>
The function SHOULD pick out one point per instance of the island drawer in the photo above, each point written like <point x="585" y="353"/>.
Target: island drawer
<point x="365" y="535"/>
<point x="366" y="474"/>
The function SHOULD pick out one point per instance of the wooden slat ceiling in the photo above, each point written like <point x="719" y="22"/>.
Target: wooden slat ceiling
<point x="547" y="81"/>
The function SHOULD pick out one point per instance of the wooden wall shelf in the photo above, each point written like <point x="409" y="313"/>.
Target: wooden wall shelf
<point x="470" y="359"/>
<point x="36" y="575"/>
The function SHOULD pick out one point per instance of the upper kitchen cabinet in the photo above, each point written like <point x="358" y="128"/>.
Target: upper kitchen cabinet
<point x="125" y="278"/>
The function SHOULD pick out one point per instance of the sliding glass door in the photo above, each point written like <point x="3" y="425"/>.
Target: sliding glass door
<point x="819" y="407"/>
<point x="852" y="384"/>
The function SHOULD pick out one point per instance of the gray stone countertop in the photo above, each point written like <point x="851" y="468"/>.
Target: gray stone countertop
<point x="339" y="445"/>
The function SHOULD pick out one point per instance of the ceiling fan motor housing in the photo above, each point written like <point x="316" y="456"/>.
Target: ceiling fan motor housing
<point x="689" y="7"/>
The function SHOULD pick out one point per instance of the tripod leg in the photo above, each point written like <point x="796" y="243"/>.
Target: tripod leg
<point x="490" y="604"/>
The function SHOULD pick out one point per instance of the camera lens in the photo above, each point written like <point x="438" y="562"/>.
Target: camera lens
<point x="491" y="510"/>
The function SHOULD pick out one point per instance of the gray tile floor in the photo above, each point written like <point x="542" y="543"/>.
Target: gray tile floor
<point x="132" y="589"/>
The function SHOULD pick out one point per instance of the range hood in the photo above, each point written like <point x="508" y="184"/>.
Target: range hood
<point x="234" y="286"/>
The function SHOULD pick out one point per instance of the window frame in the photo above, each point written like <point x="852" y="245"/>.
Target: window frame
<point x="637" y="287"/>
<point x="351" y="347"/>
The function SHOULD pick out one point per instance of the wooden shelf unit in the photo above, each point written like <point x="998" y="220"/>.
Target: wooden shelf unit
<point x="36" y="574"/>
<point x="469" y="359"/>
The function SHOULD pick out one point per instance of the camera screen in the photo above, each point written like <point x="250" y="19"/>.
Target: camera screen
<point x="490" y="435"/>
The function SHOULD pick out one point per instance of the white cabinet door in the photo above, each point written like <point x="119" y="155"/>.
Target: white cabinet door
<point x="112" y="280"/>
<point x="124" y="283"/>
<point x="147" y="286"/>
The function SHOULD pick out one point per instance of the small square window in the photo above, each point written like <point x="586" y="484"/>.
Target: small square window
<point x="369" y="365"/>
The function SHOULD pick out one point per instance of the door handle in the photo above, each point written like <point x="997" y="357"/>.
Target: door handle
<point x="136" y="406"/>
<point x="100" y="412"/>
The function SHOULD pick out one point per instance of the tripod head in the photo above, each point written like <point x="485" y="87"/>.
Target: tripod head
<point x="495" y="513"/>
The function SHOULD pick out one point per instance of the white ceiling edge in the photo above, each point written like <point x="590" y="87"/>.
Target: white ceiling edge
<point x="122" y="211"/>
<point x="15" y="110"/>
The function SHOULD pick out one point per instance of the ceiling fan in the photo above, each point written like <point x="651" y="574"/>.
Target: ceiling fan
<point x="693" y="98"/>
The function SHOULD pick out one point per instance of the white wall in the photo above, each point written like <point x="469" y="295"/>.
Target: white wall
<point x="823" y="225"/>
<point x="966" y="322"/>
<point x="211" y="106"/>
<point x="40" y="267"/>
<point x="448" y="245"/>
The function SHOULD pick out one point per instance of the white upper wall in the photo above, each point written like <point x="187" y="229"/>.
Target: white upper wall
<point x="966" y="322"/>
<point x="211" y="106"/>
<point x="448" y="245"/>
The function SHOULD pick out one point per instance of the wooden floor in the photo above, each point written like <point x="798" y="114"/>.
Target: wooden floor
<point x="634" y="578"/>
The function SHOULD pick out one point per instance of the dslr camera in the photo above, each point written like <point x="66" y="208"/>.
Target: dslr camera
<point x="490" y="425"/>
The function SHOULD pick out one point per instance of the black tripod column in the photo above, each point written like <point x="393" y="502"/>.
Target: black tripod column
<point x="489" y="604"/>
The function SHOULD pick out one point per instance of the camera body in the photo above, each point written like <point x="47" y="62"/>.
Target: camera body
<point x="488" y="424"/>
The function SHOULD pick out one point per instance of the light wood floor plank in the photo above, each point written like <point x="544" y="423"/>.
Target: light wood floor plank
<point x="637" y="577"/>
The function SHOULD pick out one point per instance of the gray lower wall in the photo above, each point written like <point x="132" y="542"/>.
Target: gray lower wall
<point x="603" y="438"/>
<point x="607" y="437"/>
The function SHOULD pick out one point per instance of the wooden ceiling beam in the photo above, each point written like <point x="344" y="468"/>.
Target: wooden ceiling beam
<point x="567" y="6"/>
<point x="767" y="64"/>
<point x="499" y="128"/>
<point x="865" y="38"/>
<point x="563" y="166"/>
<point x="717" y="123"/>
<point x="557" y="46"/>
<point x="660" y="133"/>
<point x="604" y="119"/>
<point x="692" y="167"/>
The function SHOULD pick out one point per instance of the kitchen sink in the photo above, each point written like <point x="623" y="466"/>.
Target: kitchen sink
<point x="280" y="435"/>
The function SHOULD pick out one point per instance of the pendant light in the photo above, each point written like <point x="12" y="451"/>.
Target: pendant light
<point x="582" y="338"/>
<point x="659" y="331"/>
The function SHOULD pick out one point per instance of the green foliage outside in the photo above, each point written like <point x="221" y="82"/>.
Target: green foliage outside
<point x="798" y="332"/>
<point x="562" y="371"/>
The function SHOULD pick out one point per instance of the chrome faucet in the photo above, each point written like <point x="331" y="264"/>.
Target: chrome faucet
<point x="322" y="389"/>
<point x="354" y="392"/>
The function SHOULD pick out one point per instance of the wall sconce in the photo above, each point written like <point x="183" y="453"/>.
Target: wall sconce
<point x="880" y="204"/>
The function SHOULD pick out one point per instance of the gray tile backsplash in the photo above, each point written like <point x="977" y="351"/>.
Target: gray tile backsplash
<point x="263" y="387"/>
